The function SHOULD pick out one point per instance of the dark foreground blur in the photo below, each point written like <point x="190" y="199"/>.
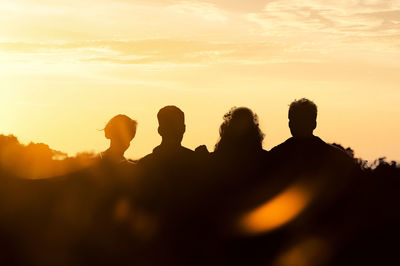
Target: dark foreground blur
<point x="221" y="211"/>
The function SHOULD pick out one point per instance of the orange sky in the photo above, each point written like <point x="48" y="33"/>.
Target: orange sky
<point x="66" y="67"/>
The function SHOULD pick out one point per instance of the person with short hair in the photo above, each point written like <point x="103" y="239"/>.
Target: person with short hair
<point x="304" y="150"/>
<point x="171" y="121"/>
<point x="170" y="154"/>
<point x="166" y="190"/>
<point x="327" y="172"/>
<point x="302" y="118"/>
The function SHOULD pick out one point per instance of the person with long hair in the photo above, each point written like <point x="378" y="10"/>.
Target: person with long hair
<point x="120" y="130"/>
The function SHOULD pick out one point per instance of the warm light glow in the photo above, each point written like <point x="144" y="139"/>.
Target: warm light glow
<point x="276" y="212"/>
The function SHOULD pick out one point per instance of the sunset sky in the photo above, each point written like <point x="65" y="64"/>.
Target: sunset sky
<point x="68" y="66"/>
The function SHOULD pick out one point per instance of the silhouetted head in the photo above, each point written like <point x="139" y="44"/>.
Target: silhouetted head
<point x="120" y="130"/>
<point x="171" y="124"/>
<point x="240" y="131"/>
<point x="302" y="118"/>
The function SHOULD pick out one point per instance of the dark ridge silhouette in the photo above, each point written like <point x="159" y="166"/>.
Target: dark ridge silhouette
<point x="305" y="202"/>
<point x="38" y="160"/>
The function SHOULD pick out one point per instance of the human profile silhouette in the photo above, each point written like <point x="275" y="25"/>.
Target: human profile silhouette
<point x="120" y="130"/>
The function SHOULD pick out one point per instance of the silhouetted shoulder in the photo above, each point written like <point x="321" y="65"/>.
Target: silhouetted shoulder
<point x="301" y="145"/>
<point x="265" y="155"/>
<point x="186" y="150"/>
<point x="183" y="151"/>
<point x="282" y="146"/>
<point x="344" y="160"/>
<point x="132" y="162"/>
<point x="145" y="159"/>
<point x="162" y="151"/>
<point x="311" y="154"/>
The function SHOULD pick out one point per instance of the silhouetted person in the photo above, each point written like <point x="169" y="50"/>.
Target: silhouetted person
<point x="120" y="130"/>
<point x="239" y="151"/>
<point x="164" y="189"/>
<point x="171" y="128"/>
<point x="238" y="156"/>
<point x="235" y="169"/>
<point x="328" y="174"/>
<point x="304" y="151"/>
<point x="105" y="187"/>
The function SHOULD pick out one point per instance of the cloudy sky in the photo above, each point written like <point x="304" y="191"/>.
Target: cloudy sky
<point x="66" y="67"/>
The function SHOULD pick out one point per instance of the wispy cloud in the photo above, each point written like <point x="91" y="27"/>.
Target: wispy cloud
<point x="198" y="32"/>
<point x="336" y="17"/>
<point x="331" y="27"/>
<point x="152" y="51"/>
<point x="202" y="10"/>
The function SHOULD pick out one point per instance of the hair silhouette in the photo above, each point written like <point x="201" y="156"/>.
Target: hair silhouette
<point x="302" y="118"/>
<point x="240" y="131"/>
<point x="120" y="130"/>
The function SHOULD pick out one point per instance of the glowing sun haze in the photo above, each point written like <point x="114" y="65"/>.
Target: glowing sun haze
<point x="66" y="67"/>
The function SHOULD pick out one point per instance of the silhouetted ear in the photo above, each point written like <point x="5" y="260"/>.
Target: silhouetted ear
<point x="184" y="128"/>
<point x="314" y="125"/>
<point x="290" y="124"/>
<point x="159" y="131"/>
